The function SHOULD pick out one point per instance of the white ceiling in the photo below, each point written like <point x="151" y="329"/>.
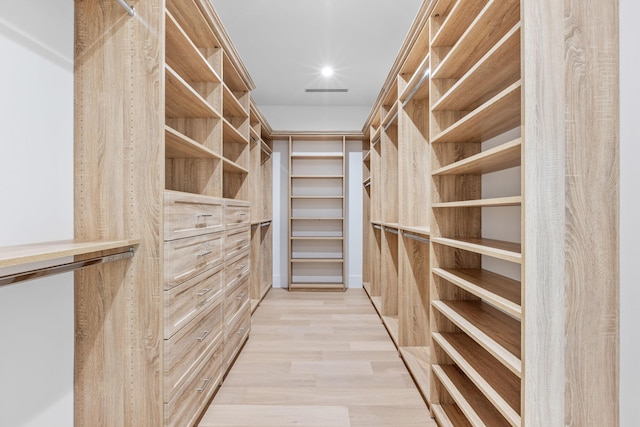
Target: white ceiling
<point x="285" y="43"/>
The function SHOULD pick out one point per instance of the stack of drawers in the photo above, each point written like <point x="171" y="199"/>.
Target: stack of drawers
<point x="206" y="296"/>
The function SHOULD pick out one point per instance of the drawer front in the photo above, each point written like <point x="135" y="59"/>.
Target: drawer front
<point x="237" y="242"/>
<point x="236" y="270"/>
<point x="192" y="399"/>
<point x="186" y="258"/>
<point x="190" y="215"/>
<point x="185" y="301"/>
<point x="236" y="214"/>
<point x="237" y="332"/>
<point x="236" y="297"/>
<point x="185" y="349"/>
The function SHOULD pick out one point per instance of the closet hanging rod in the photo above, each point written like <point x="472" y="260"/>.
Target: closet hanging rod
<point x="390" y="230"/>
<point x="130" y="9"/>
<point x="417" y="88"/>
<point x="265" y="224"/>
<point x="57" y="269"/>
<point x="391" y="120"/>
<point x="376" y="226"/>
<point x="416" y="237"/>
<point x="265" y="151"/>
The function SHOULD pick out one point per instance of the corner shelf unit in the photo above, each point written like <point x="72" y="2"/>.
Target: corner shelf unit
<point x="316" y="212"/>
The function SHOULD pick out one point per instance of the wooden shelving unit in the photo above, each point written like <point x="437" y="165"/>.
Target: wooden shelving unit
<point x="316" y="212"/>
<point x="397" y="208"/>
<point x="495" y="305"/>
<point x="168" y="156"/>
<point x="260" y="183"/>
<point x="476" y="313"/>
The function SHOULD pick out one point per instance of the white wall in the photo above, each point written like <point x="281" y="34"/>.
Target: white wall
<point x="629" y="214"/>
<point x="353" y="242"/>
<point x="316" y="118"/>
<point x="36" y="172"/>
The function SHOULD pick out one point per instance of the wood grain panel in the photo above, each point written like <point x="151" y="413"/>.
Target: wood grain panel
<point x="592" y="212"/>
<point x="119" y="111"/>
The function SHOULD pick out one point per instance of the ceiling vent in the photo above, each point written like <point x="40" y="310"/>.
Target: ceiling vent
<point x="326" y="90"/>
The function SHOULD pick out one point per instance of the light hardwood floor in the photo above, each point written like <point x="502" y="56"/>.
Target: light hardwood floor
<point x="318" y="360"/>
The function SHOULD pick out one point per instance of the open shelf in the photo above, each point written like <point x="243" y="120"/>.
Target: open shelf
<point x="392" y="325"/>
<point x="498" y="384"/>
<point x="495" y="331"/>
<point x="320" y="156"/>
<point x="316" y="176"/>
<point x="496" y="116"/>
<point x="231" y="77"/>
<point x="493" y="22"/>
<point x="417" y="361"/>
<point x="425" y="230"/>
<point x="231" y="134"/>
<point x="182" y="101"/>
<point x="507" y="251"/>
<point x="457" y="20"/>
<point x="317" y="238"/>
<point x="502" y="157"/>
<point x="184" y="57"/>
<point x="500" y="291"/>
<point x="21" y="255"/>
<point x="231" y="105"/>
<point x="494" y="71"/>
<point x="229" y="166"/>
<point x="317" y="197"/>
<point x="317" y="286"/>
<point x="482" y="203"/>
<point x="187" y="14"/>
<point x="449" y="415"/>
<point x="417" y="87"/>
<point x="469" y="399"/>
<point x="178" y="146"/>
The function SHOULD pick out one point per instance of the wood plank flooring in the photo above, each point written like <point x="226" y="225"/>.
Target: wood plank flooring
<point x="318" y="360"/>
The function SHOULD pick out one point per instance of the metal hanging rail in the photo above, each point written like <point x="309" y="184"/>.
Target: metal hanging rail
<point x="416" y="237"/>
<point x="57" y="269"/>
<point x="130" y="9"/>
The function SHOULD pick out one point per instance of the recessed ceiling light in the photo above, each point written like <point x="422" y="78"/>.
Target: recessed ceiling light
<point x="327" y="71"/>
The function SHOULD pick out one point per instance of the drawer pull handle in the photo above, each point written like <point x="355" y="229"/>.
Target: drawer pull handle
<point x="204" y="336"/>
<point x="240" y="331"/>
<point x="204" y="292"/>
<point x="240" y="296"/>
<point x="242" y="214"/>
<point x="204" y="254"/>
<point x="205" y="215"/>
<point x="241" y="267"/>
<point x="204" y="386"/>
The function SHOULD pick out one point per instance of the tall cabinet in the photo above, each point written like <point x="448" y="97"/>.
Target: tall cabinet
<point x="163" y="152"/>
<point x="492" y="183"/>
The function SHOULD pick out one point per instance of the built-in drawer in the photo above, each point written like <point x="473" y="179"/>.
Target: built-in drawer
<point x="187" y="215"/>
<point x="186" y="258"/>
<point x="237" y="241"/>
<point x="237" y="332"/>
<point x="236" y="270"/>
<point x="184" y="351"/>
<point x="185" y="301"/>
<point x="236" y="297"/>
<point x="236" y="213"/>
<point x="191" y="399"/>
